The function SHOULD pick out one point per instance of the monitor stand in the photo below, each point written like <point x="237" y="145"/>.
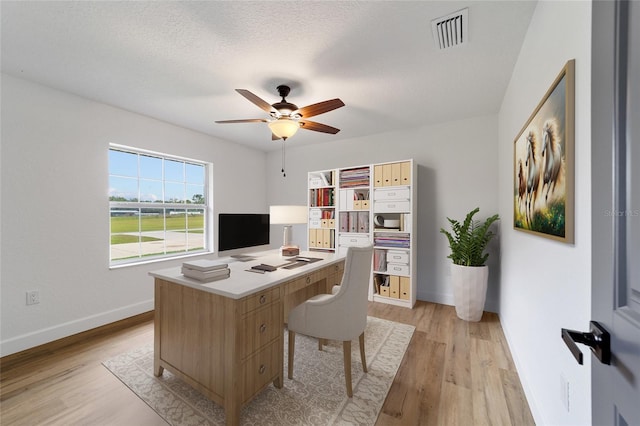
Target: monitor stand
<point x="243" y="257"/>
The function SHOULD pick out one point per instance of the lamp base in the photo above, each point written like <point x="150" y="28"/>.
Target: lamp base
<point x="289" y="250"/>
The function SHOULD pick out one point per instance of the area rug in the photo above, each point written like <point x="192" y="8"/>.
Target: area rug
<point x="315" y="396"/>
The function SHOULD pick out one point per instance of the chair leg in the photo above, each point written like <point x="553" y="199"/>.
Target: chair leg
<point x="362" y="355"/>
<point x="292" y="346"/>
<point x="321" y="342"/>
<point x="346" y="348"/>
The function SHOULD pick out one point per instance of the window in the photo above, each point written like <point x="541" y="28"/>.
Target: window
<point x="158" y="206"/>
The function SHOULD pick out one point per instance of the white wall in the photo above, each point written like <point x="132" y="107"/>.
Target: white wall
<point x="546" y="285"/>
<point x="55" y="221"/>
<point x="457" y="171"/>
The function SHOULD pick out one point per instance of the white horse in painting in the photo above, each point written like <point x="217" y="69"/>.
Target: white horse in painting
<point x="552" y="153"/>
<point x="533" y="176"/>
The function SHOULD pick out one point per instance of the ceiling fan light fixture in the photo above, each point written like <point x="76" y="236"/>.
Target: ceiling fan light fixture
<point x="284" y="127"/>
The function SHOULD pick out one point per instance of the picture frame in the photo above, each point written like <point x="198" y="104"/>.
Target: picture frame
<point x="543" y="164"/>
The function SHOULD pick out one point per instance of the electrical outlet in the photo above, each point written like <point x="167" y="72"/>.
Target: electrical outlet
<point x="33" y="297"/>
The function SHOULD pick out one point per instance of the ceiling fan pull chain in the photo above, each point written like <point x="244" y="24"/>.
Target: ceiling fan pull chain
<point x="283" y="173"/>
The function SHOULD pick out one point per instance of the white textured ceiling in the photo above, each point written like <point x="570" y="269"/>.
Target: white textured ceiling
<point x="180" y="61"/>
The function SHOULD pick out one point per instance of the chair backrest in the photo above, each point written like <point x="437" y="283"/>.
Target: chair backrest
<point x="355" y="285"/>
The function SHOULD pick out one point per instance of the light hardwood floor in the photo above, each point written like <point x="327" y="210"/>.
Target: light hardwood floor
<point x="453" y="373"/>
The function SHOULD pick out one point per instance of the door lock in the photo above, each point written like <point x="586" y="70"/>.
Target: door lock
<point x="598" y="339"/>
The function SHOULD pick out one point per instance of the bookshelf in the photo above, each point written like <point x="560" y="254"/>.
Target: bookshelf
<point x="322" y="210"/>
<point x="354" y="213"/>
<point x="367" y="204"/>
<point x="394" y="205"/>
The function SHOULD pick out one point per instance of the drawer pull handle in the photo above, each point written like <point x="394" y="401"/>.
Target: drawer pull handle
<point x="262" y="369"/>
<point x="308" y="280"/>
<point x="263" y="299"/>
<point x="263" y="328"/>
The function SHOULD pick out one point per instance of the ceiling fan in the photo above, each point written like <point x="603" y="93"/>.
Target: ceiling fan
<point x="287" y="118"/>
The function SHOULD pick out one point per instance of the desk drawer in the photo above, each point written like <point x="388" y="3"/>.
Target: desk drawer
<point x="258" y="300"/>
<point x="260" y="369"/>
<point x="259" y="328"/>
<point x="334" y="273"/>
<point x="298" y="284"/>
<point x="304" y="281"/>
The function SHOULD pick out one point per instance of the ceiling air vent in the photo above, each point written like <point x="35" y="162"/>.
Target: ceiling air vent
<point x="451" y="30"/>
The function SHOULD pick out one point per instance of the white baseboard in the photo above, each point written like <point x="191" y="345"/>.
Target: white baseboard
<point x="49" y="334"/>
<point x="528" y="393"/>
<point x="447" y="299"/>
<point x="441" y="298"/>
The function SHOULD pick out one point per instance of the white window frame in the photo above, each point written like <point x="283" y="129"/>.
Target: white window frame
<point x="208" y="209"/>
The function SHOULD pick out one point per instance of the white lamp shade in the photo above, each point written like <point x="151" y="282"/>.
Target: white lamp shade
<point x="287" y="215"/>
<point x="284" y="127"/>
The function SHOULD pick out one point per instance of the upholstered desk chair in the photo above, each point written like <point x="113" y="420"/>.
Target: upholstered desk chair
<point x="339" y="316"/>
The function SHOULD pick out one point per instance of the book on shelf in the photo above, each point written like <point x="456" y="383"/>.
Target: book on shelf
<point x="328" y="214"/>
<point x="355" y="177"/>
<point x="321" y="197"/>
<point x="344" y="221"/>
<point x="405" y="221"/>
<point x="380" y="281"/>
<point x="327" y="178"/>
<point x="380" y="260"/>
<point x="352" y="225"/>
<point x="363" y="221"/>
<point x="320" y="179"/>
<point x="392" y="239"/>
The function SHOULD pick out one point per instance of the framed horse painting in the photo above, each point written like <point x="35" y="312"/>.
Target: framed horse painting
<point x="543" y="195"/>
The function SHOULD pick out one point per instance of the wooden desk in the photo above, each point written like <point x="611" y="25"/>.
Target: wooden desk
<point x="226" y="338"/>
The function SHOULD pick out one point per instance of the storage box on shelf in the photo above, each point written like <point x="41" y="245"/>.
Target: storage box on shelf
<point x="322" y="210"/>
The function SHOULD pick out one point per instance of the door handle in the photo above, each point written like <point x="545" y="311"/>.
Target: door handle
<point x="598" y="339"/>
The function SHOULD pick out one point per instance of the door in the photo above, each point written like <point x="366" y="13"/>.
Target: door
<point x="615" y="132"/>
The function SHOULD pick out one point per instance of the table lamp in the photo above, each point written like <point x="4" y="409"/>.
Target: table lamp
<point x="287" y="216"/>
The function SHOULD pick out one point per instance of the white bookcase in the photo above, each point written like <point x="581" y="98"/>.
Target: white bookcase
<point x="373" y="203"/>
<point x="394" y="218"/>
<point x="322" y="210"/>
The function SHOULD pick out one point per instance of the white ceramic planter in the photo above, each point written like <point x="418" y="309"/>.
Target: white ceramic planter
<point x="469" y="290"/>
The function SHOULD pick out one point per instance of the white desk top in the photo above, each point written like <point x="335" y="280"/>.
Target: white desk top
<point x="243" y="283"/>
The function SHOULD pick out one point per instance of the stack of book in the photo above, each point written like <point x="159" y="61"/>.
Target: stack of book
<point x="392" y="239"/>
<point x="354" y="177"/>
<point x="206" y="270"/>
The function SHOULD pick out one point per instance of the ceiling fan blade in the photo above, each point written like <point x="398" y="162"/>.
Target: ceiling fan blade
<point x="264" y="105"/>
<point x="319" y="108"/>
<point x="246" y="120"/>
<point x="318" y="127"/>
<point x="274" y="137"/>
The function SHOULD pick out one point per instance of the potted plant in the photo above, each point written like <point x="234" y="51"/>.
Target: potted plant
<point x="469" y="274"/>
